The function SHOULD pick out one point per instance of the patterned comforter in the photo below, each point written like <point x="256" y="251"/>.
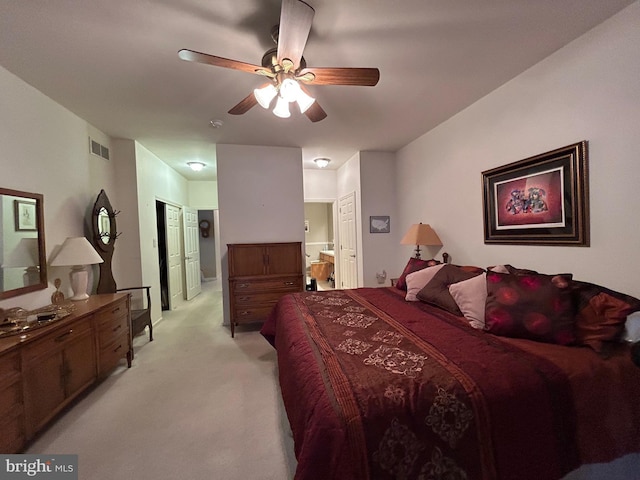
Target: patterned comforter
<point x="376" y="387"/>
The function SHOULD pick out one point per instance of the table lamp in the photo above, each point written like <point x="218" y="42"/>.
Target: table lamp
<point x="421" y="234"/>
<point x="77" y="252"/>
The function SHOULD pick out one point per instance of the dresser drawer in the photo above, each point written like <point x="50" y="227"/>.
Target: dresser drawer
<point x="111" y="314"/>
<point x="111" y="329"/>
<point x="111" y="353"/>
<point x="252" y="314"/>
<point x="282" y="284"/>
<point x="247" y="298"/>
<point x="56" y="340"/>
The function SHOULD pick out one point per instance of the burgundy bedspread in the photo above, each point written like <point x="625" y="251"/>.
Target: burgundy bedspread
<point x="376" y="387"/>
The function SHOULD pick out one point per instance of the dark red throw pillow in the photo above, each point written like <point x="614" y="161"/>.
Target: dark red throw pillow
<point x="436" y="291"/>
<point x="601" y="314"/>
<point x="533" y="306"/>
<point x="413" y="265"/>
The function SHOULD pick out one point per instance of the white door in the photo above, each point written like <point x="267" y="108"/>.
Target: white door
<point x="191" y="252"/>
<point x="348" y="253"/>
<point x="174" y="255"/>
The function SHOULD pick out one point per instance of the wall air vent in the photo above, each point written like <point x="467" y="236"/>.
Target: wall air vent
<point x="96" y="149"/>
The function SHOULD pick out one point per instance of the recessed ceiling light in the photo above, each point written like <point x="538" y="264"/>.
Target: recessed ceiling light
<point x="216" y="123"/>
<point x="322" y="162"/>
<point x="196" y="166"/>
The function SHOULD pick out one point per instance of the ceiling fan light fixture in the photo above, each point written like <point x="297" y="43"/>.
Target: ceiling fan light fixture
<point x="322" y="162"/>
<point x="289" y="90"/>
<point x="265" y="95"/>
<point x="196" y="166"/>
<point x="304" y="101"/>
<point x="282" y="108"/>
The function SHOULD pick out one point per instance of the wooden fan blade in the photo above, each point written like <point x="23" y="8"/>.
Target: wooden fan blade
<point x="192" y="56"/>
<point x="315" y="113"/>
<point x="246" y="104"/>
<point x="295" y="25"/>
<point x="363" y="77"/>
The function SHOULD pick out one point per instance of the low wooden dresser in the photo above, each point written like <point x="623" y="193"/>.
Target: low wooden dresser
<point x="259" y="274"/>
<point x="43" y="369"/>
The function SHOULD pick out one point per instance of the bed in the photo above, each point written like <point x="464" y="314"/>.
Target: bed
<point x="376" y="386"/>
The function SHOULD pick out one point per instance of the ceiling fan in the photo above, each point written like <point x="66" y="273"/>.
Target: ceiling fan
<point x="286" y="68"/>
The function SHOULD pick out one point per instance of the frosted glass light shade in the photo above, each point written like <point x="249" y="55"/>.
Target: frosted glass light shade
<point x="282" y="108"/>
<point x="289" y="90"/>
<point x="265" y="95"/>
<point x="304" y="101"/>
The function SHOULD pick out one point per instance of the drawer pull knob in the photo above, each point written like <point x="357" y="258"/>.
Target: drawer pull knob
<point x="117" y="348"/>
<point x="289" y="283"/>
<point x="117" y="328"/>
<point x="244" y="313"/>
<point x="244" y="299"/>
<point x="63" y="336"/>
<point x="115" y="310"/>
<point x="243" y="285"/>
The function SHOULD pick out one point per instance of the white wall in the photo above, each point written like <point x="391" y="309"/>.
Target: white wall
<point x="589" y="90"/>
<point x="378" y="190"/>
<point x="203" y="195"/>
<point x="320" y="185"/>
<point x="260" y="198"/>
<point x="45" y="150"/>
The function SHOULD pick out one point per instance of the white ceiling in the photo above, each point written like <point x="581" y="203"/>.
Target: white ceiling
<point x="115" y="64"/>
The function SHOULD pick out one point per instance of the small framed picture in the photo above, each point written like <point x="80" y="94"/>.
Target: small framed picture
<point x="379" y="224"/>
<point x="25" y="216"/>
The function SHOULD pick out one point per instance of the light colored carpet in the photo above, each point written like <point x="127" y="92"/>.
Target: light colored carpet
<point x="196" y="404"/>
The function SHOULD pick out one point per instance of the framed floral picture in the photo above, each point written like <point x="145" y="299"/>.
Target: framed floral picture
<point x="25" y="216"/>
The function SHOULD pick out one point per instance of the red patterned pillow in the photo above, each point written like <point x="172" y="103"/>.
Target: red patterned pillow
<point x="536" y="307"/>
<point x="600" y="314"/>
<point x="413" y="265"/>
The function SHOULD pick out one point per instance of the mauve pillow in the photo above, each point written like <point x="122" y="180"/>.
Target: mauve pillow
<point x="470" y="296"/>
<point x="417" y="280"/>
<point x="537" y="307"/>
<point x="601" y="314"/>
<point x="413" y="265"/>
<point x="436" y="292"/>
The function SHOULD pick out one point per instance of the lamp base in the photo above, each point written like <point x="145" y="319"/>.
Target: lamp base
<point x="79" y="280"/>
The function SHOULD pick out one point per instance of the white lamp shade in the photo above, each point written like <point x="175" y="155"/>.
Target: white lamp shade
<point x="282" y="108"/>
<point x="289" y="90"/>
<point x="265" y="95"/>
<point x="76" y="251"/>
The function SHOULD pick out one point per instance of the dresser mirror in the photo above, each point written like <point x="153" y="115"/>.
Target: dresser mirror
<point x="23" y="263"/>
<point x="103" y="223"/>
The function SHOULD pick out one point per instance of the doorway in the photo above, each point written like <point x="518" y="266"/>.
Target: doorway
<point x="319" y="244"/>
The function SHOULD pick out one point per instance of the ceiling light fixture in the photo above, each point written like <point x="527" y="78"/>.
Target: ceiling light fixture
<point x="322" y="162"/>
<point x="216" y="123"/>
<point x="196" y="166"/>
<point x="288" y="90"/>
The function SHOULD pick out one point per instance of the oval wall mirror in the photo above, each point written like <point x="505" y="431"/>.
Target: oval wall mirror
<point x="103" y="223"/>
<point x="23" y="262"/>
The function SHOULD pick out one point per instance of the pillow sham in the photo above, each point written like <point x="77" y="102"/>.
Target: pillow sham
<point x="534" y="306"/>
<point x="601" y="314"/>
<point x="470" y="296"/>
<point x="417" y="280"/>
<point x="413" y="265"/>
<point x="632" y="328"/>
<point x="436" y="292"/>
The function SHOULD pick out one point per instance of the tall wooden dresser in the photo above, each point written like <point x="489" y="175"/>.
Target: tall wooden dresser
<point x="259" y="274"/>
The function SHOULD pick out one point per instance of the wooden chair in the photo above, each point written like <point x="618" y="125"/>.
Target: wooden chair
<point x="140" y="317"/>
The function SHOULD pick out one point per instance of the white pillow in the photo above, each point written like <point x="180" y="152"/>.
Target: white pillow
<point x="471" y="297"/>
<point x="632" y="328"/>
<point x="417" y="280"/>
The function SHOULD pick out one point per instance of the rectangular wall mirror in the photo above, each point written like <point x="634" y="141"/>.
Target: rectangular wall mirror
<point x="23" y="263"/>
